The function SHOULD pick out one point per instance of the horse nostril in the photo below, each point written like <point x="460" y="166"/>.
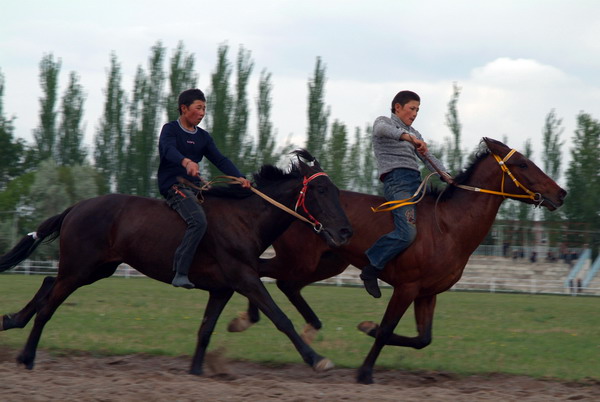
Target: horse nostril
<point x="562" y="194"/>
<point x="346" y="233"/>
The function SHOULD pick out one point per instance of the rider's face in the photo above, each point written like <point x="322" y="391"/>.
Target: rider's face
<point x="408" y="112"/>
<point x="194" y="113"/>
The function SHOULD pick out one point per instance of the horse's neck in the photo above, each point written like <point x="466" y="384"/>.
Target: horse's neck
<point x="474" y="212"/>
<point x="273" y="220"/>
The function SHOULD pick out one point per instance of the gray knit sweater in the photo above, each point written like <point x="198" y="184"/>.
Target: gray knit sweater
<point x="391" y="152"/>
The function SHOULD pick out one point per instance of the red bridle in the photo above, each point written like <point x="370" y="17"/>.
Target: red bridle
<point x="302" y="198"/>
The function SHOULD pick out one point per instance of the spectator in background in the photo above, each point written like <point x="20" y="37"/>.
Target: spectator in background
<point x="533" y="257"/>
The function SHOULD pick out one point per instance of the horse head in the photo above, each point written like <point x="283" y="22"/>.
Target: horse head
<point x="525" y="181"/>
<point x="319" y="201"/>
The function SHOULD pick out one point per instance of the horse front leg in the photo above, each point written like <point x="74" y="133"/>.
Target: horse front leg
<point x="254" y="290"/>
<point x="397" y="306"/>
<point x="216" y="303"/>
<point x="292" y="291"/>
<point x="424" y="308"/>
<point x="20" y="319"/>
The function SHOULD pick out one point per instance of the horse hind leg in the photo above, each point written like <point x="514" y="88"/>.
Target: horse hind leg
<point x="401" y="299"/>
<point x="424" y="308"/>
<point x="245" y="319"/>
<point x="20" y="319"/>
<point x="45" y="309"/>
<point x="217" y="301"/>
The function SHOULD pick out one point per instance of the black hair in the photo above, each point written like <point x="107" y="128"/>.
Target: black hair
<point x="403" y="97"/>
<point x="188" y="97"/>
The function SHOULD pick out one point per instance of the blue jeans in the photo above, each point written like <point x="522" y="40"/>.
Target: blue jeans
<point x="184" y="201"/>
<point x="397" y="185"/>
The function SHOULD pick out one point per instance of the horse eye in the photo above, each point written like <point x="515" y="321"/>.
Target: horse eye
<point x="523" y="165"/>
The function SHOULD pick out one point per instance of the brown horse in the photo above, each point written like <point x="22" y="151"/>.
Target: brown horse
<point x="98" y="234"/>
<point x="450" y="225"/>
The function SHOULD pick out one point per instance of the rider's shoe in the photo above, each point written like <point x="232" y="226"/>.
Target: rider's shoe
<point x="369" y="276"/>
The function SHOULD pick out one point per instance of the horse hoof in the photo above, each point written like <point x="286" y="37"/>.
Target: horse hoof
<point x="323" y="365"/>
<point x="364" y="377"/>
<point x="367" y="327"/>
<point x="309" y="333"/>
<point x="27" y="362"/>
<point x="240" y="323"/>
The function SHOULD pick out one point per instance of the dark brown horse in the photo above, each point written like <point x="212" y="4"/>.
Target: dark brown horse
<point x="98" y="234"/>
<point x="450" y="227"/>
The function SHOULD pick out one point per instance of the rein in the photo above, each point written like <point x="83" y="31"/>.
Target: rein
<point x="536" y="197"/>
<point x="317" y="226"/>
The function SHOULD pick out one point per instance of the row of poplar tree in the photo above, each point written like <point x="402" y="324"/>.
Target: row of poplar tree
<point x="41" y="179"/>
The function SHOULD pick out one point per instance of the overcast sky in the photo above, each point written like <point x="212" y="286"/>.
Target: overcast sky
<point x="514" y="60"/>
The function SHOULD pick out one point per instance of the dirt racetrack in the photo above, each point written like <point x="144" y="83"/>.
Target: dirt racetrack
<point x="158" y="378"/>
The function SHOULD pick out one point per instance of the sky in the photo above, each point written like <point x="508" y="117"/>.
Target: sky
<point x="514" y="60"/>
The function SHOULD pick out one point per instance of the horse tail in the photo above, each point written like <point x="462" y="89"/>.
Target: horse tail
<point x="46" y="232"/>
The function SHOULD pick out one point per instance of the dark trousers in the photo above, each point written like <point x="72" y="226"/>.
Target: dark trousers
<point x="184" y="201"/>
<point x="399" y="184"/>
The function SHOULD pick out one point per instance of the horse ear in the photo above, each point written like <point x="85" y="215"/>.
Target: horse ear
<point x="496" y="147"/>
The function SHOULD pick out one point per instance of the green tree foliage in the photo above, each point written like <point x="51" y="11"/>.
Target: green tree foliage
<point x="70" y="150"/>
<point x="181" y="77"/>
<point x="361" y="172"/>
<point x="12" y="154"/>
<point x="551" y="164"/>
<point x="14" y="215"/>
<point x="45" y="134"/>
<point x="552" y="145"/>
<point x="109" y="142"/>
<point x="239" y="146"/>
<point x="454" y="158"/>
<point x="265" y="144"/>
<point x="54" y="189"/>
<point x="335" y="156"/>
<point x="582" y="207"/>
<point x="318" y="112"/>
<point x="219" y="104"/>
<point x="144" y="119"/>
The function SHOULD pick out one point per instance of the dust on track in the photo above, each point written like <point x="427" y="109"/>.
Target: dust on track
<point x="161" y="378"/>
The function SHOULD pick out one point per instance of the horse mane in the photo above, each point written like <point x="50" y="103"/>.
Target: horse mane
<point x="461" y="178"/>
<point x="267" y="175"/>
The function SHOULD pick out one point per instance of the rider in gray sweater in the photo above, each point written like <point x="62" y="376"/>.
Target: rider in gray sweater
<point x="397" y="147"/>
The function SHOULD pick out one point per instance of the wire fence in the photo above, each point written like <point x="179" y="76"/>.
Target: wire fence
<point x="350" y="277"/>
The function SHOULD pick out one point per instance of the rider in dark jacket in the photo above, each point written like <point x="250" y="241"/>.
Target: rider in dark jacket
<point x="181" y="146"/>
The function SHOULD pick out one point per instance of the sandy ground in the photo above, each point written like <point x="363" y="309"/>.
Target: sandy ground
<point x="152" y="378"/>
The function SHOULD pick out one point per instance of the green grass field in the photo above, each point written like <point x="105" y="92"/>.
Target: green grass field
<point x="534" y="335"/>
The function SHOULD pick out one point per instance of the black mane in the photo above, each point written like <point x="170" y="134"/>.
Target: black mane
<point x="462" y="177"/>
<point x="267" y="175"/>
